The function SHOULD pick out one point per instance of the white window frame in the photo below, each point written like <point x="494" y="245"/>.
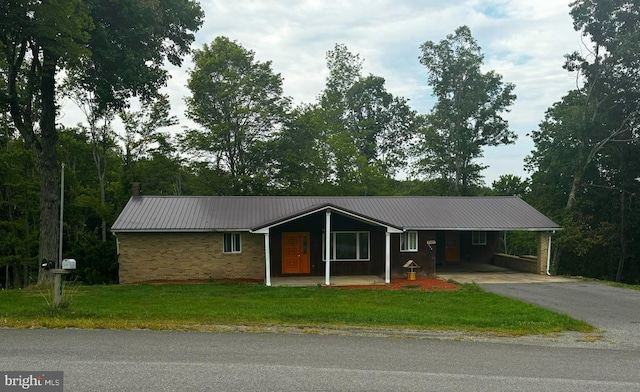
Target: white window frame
<point x="235" y="242"/>
<point x="478" y="238"/>
<point x="333" y="247"/>
<point x="406" y="241"/>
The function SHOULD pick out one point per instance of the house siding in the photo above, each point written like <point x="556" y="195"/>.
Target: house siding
<point x="482" y="254"/>
<point x="187" y="256"/>
<point x="425" y="257"/>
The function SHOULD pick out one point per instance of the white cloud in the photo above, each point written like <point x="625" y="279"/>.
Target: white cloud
<point x="523" y="40"/>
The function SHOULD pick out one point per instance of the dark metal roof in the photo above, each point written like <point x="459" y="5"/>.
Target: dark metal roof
<point x="222" y="213"/>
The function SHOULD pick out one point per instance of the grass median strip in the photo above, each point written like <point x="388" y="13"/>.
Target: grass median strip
<point x="202" y="306"/>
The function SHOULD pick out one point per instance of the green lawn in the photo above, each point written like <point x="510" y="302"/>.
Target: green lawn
<point x="203" y="306"/>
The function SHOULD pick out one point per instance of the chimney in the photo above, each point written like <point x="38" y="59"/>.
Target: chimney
<point x="136" y="189"/>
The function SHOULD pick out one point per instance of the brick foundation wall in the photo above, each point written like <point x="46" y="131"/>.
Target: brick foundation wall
<point x="516" y="263"/>
<point x="187" y="256"/>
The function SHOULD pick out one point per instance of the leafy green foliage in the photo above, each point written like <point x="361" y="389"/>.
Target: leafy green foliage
<point x="585" y="162"/>
<point x="18" y="208"/>
<point x="129" y="44"/>
<point x="113" y="49"/>
<point x="239" y="104"/>
<point x="366" y="129"/>
<point x="467" y="115"/>
<point x="298" y="155"/>
<point x="97" y="261"/>
<point x="510" y="185"/>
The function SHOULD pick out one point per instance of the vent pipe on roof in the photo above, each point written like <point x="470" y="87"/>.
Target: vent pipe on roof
<point x="136" y="189"/>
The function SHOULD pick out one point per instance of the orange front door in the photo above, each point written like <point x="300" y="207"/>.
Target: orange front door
<point x="452" y="250"/>
<point x="295" y="253"/>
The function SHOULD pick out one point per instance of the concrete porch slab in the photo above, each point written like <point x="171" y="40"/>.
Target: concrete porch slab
<point x="310" y="281"/>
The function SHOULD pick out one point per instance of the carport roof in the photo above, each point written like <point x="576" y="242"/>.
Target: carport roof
<point x="248" y="213"/>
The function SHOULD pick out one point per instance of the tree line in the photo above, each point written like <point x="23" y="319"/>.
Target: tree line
<point x="356" y="139"/>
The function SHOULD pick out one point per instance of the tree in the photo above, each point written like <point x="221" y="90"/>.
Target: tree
<point x="18" y="208"/>
<point x="37" y="39"/>
<point x="599" y="119"/>
<point x="467" y="114"/>
<point x="299" y="155"/>
<point x="148" y="149"/>
<point x="510" y="185"/>
<point x="117" y="48"/>
<point x="367" y="129"/>
<point x="85" y="212"/>
<point x="239" y="104"/>
<point x="101" y="135"/>
<point x="380" y="124"/>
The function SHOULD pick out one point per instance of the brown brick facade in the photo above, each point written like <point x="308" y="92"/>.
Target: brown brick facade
<point x="188" y="256"/>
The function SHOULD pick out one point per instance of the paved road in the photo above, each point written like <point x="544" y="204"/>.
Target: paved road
<point x="615" y="310"/>
<point x="103" y="360"/>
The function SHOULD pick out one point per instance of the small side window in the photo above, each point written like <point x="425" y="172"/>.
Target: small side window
<point x="478" y="238"/>
<point x="409" y="241"/>
<point x="232" y="243"/>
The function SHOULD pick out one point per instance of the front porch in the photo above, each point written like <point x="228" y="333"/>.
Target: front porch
<point x="327" y="246"/>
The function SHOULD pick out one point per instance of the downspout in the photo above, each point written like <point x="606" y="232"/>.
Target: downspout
<point x="117" y="243"/>
<point x="549" y="254"/>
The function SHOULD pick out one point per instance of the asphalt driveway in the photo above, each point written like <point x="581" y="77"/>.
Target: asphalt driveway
<point x="614" y="310"/>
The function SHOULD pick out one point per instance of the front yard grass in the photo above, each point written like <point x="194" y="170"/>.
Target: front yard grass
<point x="206" y="306"/>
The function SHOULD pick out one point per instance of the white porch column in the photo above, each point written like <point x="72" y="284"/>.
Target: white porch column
<point x="327" y="248"/>
<point x="387" y="257"/>
<point x="267" y="259"/>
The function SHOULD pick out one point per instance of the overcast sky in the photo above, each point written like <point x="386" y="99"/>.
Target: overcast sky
<point x="522" y="40"/>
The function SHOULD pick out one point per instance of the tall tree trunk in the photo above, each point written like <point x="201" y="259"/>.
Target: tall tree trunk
<point x="48" y="167"/>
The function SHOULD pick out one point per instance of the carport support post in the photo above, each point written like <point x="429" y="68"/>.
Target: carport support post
<point x="327" y="248"/>
<point x="267" y="258"/>
<point x="387" y="257"/>
<point x="544" y="247"/>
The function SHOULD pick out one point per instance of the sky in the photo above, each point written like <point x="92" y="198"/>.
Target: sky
<point x="524" y="41"/>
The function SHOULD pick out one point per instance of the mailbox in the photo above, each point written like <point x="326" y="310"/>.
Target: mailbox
<point x="68" y="264"/>
<point x="46" y="264"/>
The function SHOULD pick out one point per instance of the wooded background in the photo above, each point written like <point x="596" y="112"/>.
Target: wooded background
<point x="250" y="139"/>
